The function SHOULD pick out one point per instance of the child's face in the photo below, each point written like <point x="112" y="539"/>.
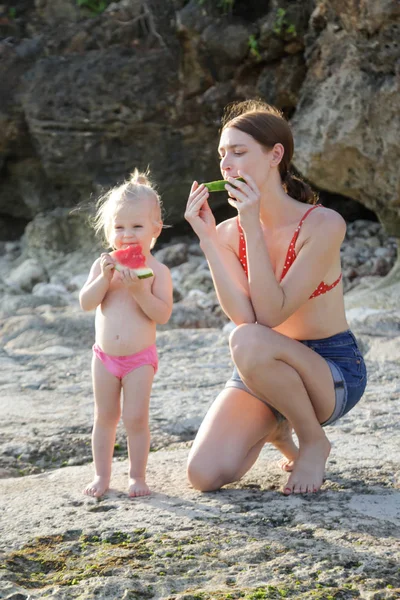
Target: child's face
<point x="134" y="223"/>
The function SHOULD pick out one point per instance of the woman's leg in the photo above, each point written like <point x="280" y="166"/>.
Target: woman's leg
<point x="229" y="439"/>
<point x="135" y="415"/>
<point x="298" y="383"/>
<point x="107" y="412"/>
<point x="284" y="442"/>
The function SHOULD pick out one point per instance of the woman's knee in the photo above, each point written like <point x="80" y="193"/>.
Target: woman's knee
<point x="201" y="476"/>
<point x="247" y="347"/>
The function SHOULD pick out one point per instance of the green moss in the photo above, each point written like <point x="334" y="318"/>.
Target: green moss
<point x="67" y="560"/>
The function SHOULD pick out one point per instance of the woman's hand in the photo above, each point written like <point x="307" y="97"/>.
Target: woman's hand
<point x="107" y="266"/>
<point x="198" y="212"/>
<point x="245" y="197"/>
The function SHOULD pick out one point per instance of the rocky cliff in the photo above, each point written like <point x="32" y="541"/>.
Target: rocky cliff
<point x="91" y="89"/>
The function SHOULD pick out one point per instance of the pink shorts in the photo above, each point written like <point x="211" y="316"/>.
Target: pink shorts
<point x="120" y="366"/>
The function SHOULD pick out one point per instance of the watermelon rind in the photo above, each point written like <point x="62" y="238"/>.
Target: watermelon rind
<point x="219" y="186"/>
<point x="142" y="273"/>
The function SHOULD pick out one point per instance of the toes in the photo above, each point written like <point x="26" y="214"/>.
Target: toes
<point x="94" y="492"/>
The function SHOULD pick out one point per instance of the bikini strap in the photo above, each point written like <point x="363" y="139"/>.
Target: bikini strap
<point x="242" y="247"/>
<point x="291" y="254"/>
<point x="297" y="231"/>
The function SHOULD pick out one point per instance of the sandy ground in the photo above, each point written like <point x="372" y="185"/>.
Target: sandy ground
<point x="245" y="541"/>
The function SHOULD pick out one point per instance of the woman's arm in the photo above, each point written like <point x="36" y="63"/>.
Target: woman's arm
<point x="228" y="276"/>
<point x="275" y="302"/>
<point x="229" y="279"/>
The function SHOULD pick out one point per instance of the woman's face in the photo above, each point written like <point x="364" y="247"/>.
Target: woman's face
<point x="239" y="151"/>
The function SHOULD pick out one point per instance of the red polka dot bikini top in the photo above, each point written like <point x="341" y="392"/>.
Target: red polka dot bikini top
<point x="290" y="256"/>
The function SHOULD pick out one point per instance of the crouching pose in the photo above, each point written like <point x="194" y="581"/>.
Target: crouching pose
<point x="277" y="273"/>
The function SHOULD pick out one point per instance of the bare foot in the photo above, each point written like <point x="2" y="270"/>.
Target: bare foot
<point x="309" y="468"/>
<point x="138" y="487"/>
<point x="97" y="487"/>
<point x="283" y="441"/>
<point x="286" y="465"/>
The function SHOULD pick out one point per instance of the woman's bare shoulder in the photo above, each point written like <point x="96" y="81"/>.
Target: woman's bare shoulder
<point x="228" y="231"/>
<point x="325" y="221"/>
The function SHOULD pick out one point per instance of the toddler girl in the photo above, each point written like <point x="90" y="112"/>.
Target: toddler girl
<point x="127" y="311"/>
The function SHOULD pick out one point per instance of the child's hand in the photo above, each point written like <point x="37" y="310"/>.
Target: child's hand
<point x="107" y="266"/>
<point x="132" y="281"/>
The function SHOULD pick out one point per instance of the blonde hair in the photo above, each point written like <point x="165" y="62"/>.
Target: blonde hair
<point x="138" y="186"/>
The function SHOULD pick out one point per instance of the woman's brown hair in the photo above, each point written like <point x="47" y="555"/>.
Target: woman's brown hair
<point x="267" y="125"/>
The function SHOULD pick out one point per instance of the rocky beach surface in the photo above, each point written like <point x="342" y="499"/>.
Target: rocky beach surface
<point x="246" y="541"/>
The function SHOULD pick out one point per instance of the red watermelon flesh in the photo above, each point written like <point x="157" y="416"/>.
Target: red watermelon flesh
<point x="132" y="257"/>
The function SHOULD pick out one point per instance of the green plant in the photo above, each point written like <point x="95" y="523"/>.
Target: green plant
<point x="282" y="25"/>
<point x="96" y="7"/>
<point x="224" y="6"/>
<point x="12" y="12"/>
<point x="253" y="45"/>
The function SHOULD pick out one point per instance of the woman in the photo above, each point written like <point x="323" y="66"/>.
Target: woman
<point x="276" y="271"/>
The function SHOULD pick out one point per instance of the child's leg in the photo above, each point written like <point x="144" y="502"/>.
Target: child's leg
<point x="135" y="415"/>
<point x="107" y="392"/>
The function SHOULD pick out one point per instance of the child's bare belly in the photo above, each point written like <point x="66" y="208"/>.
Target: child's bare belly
<point x="122" y="328"/>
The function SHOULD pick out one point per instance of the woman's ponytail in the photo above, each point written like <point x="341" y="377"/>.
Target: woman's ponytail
<point x="298" y="189"/>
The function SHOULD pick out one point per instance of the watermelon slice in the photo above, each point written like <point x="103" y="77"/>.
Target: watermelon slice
<point x="132" y="257"/>
<point x="219" y="186"/>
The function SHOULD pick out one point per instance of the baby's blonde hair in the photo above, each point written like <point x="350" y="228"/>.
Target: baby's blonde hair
<point x="137" y="186"/>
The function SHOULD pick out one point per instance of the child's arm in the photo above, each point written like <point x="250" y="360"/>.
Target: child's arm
<point x="97" y="284"/>
<point x="154" y="297"/>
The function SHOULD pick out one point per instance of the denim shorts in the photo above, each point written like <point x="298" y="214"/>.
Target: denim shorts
<point x="347" y="366"/>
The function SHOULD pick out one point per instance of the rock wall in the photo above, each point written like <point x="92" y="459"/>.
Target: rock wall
<point x="86" y="97"/>
<point x="346" y="122"/>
